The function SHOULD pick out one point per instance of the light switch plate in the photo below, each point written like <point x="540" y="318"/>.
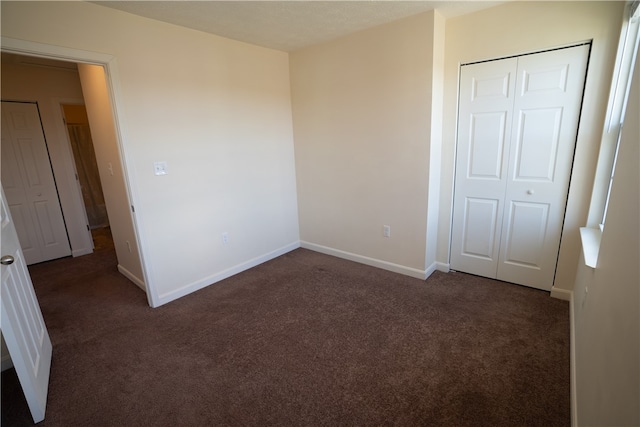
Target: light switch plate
<point x="160" y="168"/>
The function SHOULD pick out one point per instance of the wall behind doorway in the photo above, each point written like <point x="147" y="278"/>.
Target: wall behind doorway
<point x="112" y="176"/>
<point x="51" y="84"/>
<point x="32" y="80"/>
<point x="86" y="166"/>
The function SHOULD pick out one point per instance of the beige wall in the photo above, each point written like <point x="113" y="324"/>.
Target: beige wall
<point x="361" y="110"/>
<point x="217" y="111"/>
<point x="105" y="143"/>
<point x="523" y="27"/>
<point x="367" y="153"/>
<point x="366" y="150"/>
<point x="607" y="298"/>
<point x="49" y="87"/>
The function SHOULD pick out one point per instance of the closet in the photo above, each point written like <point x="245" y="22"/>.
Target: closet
<point x="517" y="126"/>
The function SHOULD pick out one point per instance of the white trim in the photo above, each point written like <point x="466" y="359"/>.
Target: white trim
<point x="385" y="265"/>
<point x="129" y="275"/>
<point x="429" y="271"/>
<point x="445" y="267"/>
<point x="7" y="363"/>
<point x="626" y="56"/>
<point x="80" y="252"/>
<point x="113" y="81"/>
<point x="590" y="239"/>
<point x="566" y="295"/>
<point x="24" y="47"/>
<point x="625" y="61"/>
<point x="437" y="266"/>
<point x="561" y="294"/>
<point x="210" y="280"/>
<point x="574" y="389"/>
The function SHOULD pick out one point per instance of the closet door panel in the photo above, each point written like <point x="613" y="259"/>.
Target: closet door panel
<point x="546" y="115"/>
<point x="517" y="127"/>
<point x="484" y="132"/>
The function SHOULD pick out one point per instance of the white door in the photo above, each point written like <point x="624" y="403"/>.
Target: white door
<point x="22" y="324"/>
<point x="29" y="185"/>
<point x="517" y="127"/>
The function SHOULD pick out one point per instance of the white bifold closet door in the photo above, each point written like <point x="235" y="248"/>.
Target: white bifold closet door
<point x="30" y="186"/>
<point x="517" y="126"/>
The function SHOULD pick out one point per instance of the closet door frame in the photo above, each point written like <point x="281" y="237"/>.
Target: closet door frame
<point x="518" y="119"/>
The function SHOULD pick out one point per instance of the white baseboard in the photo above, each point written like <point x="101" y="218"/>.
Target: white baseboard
<point x="396" y="268"/>
<point x="429" y="271"/>
<point x="574" y="384"/>
<point x="562" y="294"/>
<point x="209" y="280"/>
<point x="444" y="267"/>
<point x="80" y="252"/>
<point x="567" y="295"/>
<point x="6" y="362"/>
<point x="129" y="275"/>
<point x="437" y="266"/>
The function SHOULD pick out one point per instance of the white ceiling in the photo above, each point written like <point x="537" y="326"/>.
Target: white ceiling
<point x="288" y="25"/>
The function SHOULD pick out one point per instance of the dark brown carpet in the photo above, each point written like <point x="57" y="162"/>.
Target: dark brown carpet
<point x="303" y="340"/>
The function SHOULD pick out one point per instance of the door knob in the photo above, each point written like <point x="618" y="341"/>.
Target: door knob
<point x="7" y="260"/>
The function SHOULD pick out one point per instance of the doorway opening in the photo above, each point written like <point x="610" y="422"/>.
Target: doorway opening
<point x="93" y="88"/>
<point x="88" y="176"/>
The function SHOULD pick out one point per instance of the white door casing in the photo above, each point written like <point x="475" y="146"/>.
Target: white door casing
<point x="23" y="326"/>
<point x="30" y="186"/>
<point x="508" y="225"/>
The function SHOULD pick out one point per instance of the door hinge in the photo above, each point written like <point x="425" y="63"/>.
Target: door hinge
<point x="88" y="228"/>
<point x="133" y="209"/>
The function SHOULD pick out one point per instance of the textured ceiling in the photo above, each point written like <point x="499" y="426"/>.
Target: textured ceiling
<point x="288" y="25"/>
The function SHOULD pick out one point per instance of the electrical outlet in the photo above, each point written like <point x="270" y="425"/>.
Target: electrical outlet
<point x="386" y="231"/>
<point x="225" y="238"/>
